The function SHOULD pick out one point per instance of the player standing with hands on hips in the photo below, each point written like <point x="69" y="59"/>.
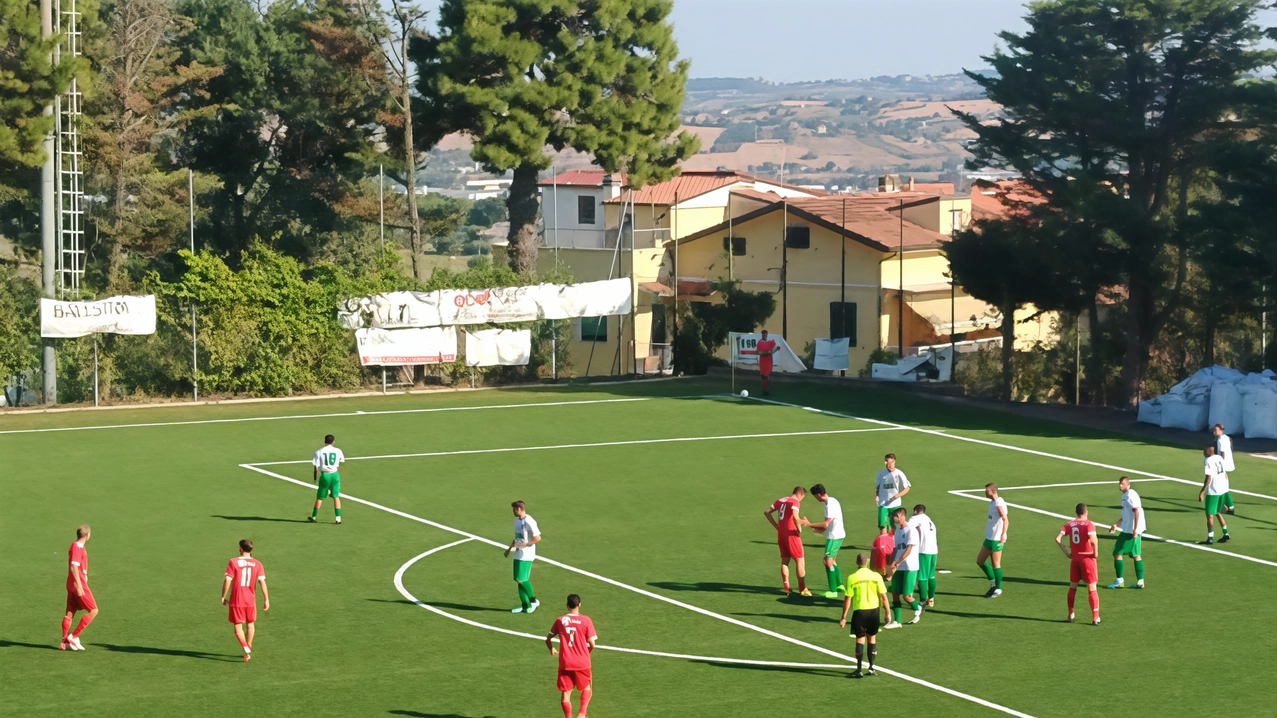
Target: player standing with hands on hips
<point x="526" y="536"/>
<point x="576" y="640"/>
<point x="327" y="459"/>
<point x="1081" y="552"/>
<point x="766" y="348"/>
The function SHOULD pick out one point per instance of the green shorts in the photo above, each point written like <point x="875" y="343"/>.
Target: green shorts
<point x="522" y="570"/>
<point x="1214" y="503"/>
<point x="903" y="581"/>
<point x="1126" y="545"/>
<point x="831" y="548"/>
<point x="329" y="485"/>
<point x="926" y="566"/>
<point x="884" y="516"/>
<point x="992" y="545"/>
<point x="1228" y="498"/>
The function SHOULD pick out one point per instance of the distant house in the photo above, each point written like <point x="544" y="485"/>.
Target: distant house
<point x="486" y="188"/>
<point x="572" y="204"/>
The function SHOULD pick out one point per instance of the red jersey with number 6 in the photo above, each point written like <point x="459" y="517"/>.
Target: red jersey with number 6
<point x="244" y="573"/>
<point x="1079" y="532"/>
<point x="575" y="632"/>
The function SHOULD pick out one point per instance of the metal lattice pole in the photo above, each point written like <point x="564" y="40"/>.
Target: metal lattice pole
<point x="70" y="216"/>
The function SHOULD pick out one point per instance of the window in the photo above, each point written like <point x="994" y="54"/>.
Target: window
<point x="955" y="220"/>
<point x="658" y="323"/>
<point x="585" y="210"/>
<point x="798" y="237"/>
<point x="738" y="245"/>
<point x="593" y="329"/>
<point x="842" y="321"/>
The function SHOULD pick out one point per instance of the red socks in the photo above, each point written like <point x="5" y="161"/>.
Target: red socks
<point x="1094" y="598"/>
<point x="1072" y="595"/>
<point x="585" y="701"/>
<point x="66" y="626"/>
<point x="567" y="709"/>
<point x="84" y="622"/>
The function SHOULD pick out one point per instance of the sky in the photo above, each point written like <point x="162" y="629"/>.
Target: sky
<point x="797" y="40"/>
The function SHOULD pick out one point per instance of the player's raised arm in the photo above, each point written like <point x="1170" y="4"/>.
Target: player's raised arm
<point x="1059" y="542"/>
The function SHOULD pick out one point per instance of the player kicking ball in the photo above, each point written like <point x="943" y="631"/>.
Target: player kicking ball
<point x="239" y="591"/>
<point x="904" y="570"/>
<point x="576" y="640"/>
<point x="326" y="462"/>
<point x="788" y="537"/>
<point x="526" y="537"/>
<point x="79" y="597"/>
<point x="834" y="532"/>
<point x="1081" y="552"/>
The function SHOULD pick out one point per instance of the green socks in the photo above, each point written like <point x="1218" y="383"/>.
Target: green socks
<point x="931" y="589"/>
<point x="832" y="575"/>
<point x="1119" y="566"/>
<point x="895" y="611"/>
<point x="997" y="578"/>
<point x="1139" y="569"/>
<point x="314" y="512"/>
<point x="523" y="597"/>
<point x="338" y="512"/>
<point x="526" y="586"/>
<point x="837" y="575"/>
<point x="988" y="570"/>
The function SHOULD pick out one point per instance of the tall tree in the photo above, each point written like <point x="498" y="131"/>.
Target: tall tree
<point x="1106" y="104"/>
<point x="521" y="76"/>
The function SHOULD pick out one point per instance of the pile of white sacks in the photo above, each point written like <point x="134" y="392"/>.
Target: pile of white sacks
<point x="1243" y="403"/>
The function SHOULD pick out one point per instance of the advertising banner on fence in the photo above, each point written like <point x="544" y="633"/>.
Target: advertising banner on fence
<point x="499" y="347"/>
<point x="448" y="307"/>
<point x="402" y="347"/>
<point x="831" y="354"/>
<point x="745" y="352"/>
<point x="116" y="315"/>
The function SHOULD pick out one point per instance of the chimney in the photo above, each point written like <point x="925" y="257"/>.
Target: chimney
<point x="889" y="183"/>
<point x="610" y="189"/>
<point x="910" y="183"/>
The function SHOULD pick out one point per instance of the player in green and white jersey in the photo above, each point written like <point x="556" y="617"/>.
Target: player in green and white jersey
<point x="328" y="459"/>
<point x="526" y="536"/>
<point x="834" y="531"/>
<point x="1214" y="489"/>
<point x="890" y="486"/>
<point x="995" y="537"/>
<point x="928" y="552"/>
<point x="1128" y="541"/>
<point x="1224" y="450"/>
<point x="904" y="569"/>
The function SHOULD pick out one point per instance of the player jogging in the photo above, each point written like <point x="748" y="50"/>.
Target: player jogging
<point x="766" y="348"/>
<point x="327" y="459"/>
<point x="526" y="536"/>
<point x="1224" y="450"/>
<point x="832" y="528"/>
<point x="79" y="597"/>
<point x="889" y="487"/>
<point x="1082" y="549"/>
<point x="1128" y="541"/>
<point x="904" y="569"/>
<point x="239" y="591"/>
<point x="928" y="552"/>
<point x="1213" y="490"/>
<point x="576" y="639"/>
<point x="865" y="596"/>
<point x="788" y="537"/>
<point x="995" y="537"/>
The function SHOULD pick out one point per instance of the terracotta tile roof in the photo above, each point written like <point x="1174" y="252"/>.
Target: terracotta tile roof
<point x="695" y="183"/>
<point x="998" y="199"/>
<point x="588" y="178"/>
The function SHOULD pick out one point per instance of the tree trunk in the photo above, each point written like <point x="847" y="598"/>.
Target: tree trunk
<point x="414" y="218"/>
<point x="1133" y="362"/>
<point x="1094" y="362"/>
<point x="1007" y="389"/>
<point x="522" y="205"/>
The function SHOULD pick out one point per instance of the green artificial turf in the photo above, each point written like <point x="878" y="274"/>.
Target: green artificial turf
<point x="679" y="519"/>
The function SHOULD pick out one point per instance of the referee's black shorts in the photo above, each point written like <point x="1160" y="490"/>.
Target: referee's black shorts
<point x="864" y="622"/>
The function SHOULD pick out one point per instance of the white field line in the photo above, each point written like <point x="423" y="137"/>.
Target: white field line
<point x="658" y="597"/>
<point x="502" y="450"/>
<point x="331" y="416"/>
<point x="995" y="444"/>
<point x="1002" y="488"/>
<point x="966" y="493"/>
<point x="713" y="659"/>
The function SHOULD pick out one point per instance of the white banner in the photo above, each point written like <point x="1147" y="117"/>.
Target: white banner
<point x="116" y="315"/>
<point x="499" y="347"/>
<point x="401" y="347"/>
<point x="831" y="354"/>
<point x="448" y="307"/>
<point x="745" y="352"/>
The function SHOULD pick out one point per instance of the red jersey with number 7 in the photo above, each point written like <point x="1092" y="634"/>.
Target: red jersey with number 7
<point x="1079" y="532"/>
<point x="575" y="633"/>
<point x="244" y="573"/>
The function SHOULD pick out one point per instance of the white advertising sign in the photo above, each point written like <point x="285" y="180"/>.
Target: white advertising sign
<point x="831" y="354"/>
<point x="402" y="347"/>
<point x="499" y="347"/>
<point x="116" y="315"/>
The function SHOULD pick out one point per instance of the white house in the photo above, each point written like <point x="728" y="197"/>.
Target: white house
<point x="572" y="204"/>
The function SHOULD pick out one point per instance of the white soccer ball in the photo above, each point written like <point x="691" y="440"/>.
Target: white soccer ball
<point x="744" y="394"/>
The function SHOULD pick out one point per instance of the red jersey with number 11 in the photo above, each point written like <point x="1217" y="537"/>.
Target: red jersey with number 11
<point x="575" y="632"/>
<point x="244" y="573"/>
<point x="1079" y="532"/>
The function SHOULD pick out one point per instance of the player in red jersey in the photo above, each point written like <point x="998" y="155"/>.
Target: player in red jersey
<point x="1081" y="552"/>
<point x="79" y="597"/>
<point x="239" y="592"/>
<point x="766" y="348"/>
<point x="883" y="548"/>
<point x="788" y="537"/>
<point x="576" y="639"/>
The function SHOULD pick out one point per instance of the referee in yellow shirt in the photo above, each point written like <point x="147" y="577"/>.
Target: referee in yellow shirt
<point x="866" y="598"/>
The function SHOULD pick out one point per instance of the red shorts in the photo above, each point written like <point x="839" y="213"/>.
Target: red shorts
<point x="567" y="679"/>
<point x="764" y="368"/>
<point x="790" y="547"/>
<point x="243" y="614"/>
<point x="1083" y="570"/>
<point x="80" y="603"/>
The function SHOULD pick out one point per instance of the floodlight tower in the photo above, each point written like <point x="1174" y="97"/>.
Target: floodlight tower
<point x="70" y="176"/>
<point x="48" y="224"/>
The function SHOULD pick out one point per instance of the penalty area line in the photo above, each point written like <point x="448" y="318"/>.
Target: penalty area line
<point x="659" y="597"/>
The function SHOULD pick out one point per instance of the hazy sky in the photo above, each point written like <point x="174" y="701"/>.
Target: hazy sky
<point x="792" y="40"/>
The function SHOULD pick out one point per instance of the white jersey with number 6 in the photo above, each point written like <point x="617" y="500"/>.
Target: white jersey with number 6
<point x="328" y="458"/>
<point x="1130" y="502"/>
<point x="993" y="529"/>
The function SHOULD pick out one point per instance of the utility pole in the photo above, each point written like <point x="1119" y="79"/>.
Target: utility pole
<point x="48" y="225"/>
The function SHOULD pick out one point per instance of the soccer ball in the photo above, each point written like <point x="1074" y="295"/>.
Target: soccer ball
<point x="744" y="394"/>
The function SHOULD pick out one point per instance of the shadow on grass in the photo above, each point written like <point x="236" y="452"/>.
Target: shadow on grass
<point x="418" y="714"/>
<point x="713" y="587"/>
<point x="790" y="617"/>
<point x="258" y="518"/>
<point x="1033" y="581"/>
<point x="965" y="614"/>
<point x="824" y="672"/>
<point x="20" y="644"/>
<point x="170" y="652"/>
<point x="437" y="604"/>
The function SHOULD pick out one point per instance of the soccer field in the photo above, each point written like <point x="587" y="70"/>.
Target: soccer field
<point x="649" y="498"/>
